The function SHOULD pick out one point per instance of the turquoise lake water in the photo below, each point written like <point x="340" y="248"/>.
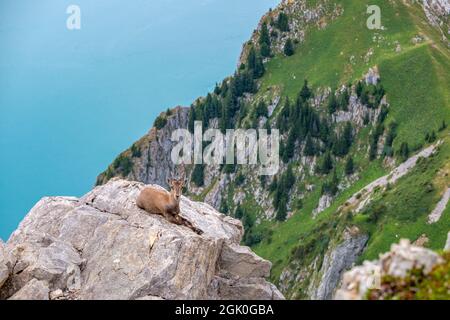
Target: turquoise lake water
<point x="70" y="101"/>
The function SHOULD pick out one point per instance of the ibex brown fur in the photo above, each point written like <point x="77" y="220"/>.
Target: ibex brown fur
<point x="167" y="204"/>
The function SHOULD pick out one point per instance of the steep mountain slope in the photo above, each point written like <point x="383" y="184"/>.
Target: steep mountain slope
<point x="373" y="100"/>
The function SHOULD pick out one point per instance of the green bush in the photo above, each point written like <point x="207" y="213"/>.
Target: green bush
<point x="160" y="122"/>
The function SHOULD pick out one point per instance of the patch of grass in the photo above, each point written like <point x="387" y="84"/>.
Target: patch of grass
<point x="407" y="206"/>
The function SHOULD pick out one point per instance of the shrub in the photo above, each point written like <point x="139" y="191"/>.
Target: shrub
<point x="123" y="164"/>
<point x="135" y="151"/>
<point x="160" y="122"/>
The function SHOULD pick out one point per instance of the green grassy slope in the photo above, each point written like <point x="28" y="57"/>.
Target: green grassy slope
<point x="416" y="81"/>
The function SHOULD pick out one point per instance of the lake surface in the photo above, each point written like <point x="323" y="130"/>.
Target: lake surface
<point x="71" y="100"/>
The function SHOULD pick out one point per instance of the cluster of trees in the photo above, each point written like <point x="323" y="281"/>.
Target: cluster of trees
<point x="135" y="151"/>
<point x="390" y="136"/>
<point x="251" y="237"/>
<point x="160" y="122"/>
<point x="338" y="101"/>
<point x="282" y="22"/>
<point x="331" y="186"/>
<point x="281" y="188"/>
<point x="225" y="102"/>
<point x="370" y="95"/>
<point x="342" y="144"/>
<point x="303" y="123"/>
<point x="377" y="133"/>
<point x="122" y="164"/>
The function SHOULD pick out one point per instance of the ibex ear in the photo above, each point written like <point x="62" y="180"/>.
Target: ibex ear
<point x="169" y="181"/>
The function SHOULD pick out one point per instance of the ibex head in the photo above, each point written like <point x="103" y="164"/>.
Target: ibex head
<point x="176" y="187"/>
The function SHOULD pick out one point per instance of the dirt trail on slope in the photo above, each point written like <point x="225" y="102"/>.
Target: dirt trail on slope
<point x="361" y="198"/>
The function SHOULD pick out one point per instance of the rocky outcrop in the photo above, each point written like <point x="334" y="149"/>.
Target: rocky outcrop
<point x="6" y="263"/>
<point x="402" y="258"/>
<point x="154" y="164"/>
<point x="324" y="202"/>
<point x="336" y="261"/>
<point x="438" y="15"/>
<point x="102" y="246"/>
<point x="436" y="214"/>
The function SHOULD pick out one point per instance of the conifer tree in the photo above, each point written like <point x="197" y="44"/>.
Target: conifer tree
<point x="332" y="103"/>
<point x="349" y="166"/>
<point x="261" y="110"/>
<point x="289" y="48"/>
<point x="305" y="93"/>
<point x="238" y="213"/>
<point x="309" y="147"/>
<point x="264" y="41"/>
<point x="283" y="22"/>
<point x="198" y="175"/>
<point x="327" y="164"/>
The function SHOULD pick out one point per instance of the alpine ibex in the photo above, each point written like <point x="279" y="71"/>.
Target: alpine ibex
<point x="167" y="204"/>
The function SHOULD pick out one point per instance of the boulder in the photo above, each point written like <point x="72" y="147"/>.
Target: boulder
<point x="402" y="258"/>
<point x="33" y="290"/>
<point x="102" y="246"/>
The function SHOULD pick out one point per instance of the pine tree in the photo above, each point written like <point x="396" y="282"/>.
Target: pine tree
<point x="197" y="176"/>
<point x="290" y="146"/>
<point x="332" y="103"/>
<point x="343" y="100"/>
<point x="283" y="116"/>
<point x="265" y="50"/>
<point x="264" y="41"/>
<point x="305" y="93"/>
<point x="259" y="69"/>
<point x="349" y="166"/>
<point x="327" y="164"/>
<point x="283" y="22"/>
<point x="238" y="213"/>
<point x="309" y="147"/>
<point x="359" y="88"/>
<point x="261" y="110"/>
<point x="334" y="184"/>
<point x="282" y="210"/>
<point x="289" y="48"/>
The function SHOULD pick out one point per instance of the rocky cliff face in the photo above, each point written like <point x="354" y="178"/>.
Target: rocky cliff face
<point x="102" y="246"/>
<point x="150" y="161"/>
